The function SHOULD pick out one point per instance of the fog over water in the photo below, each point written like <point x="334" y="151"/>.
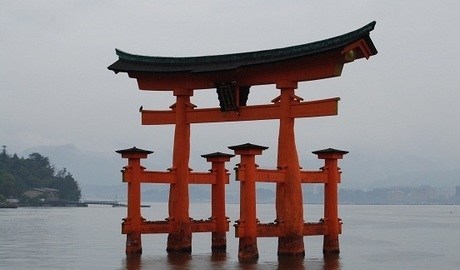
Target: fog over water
<point x="398" y="114"/>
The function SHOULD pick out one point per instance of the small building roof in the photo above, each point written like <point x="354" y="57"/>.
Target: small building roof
<point x="248" y="146"/>
<point x="217" y="154"/>
<point x="330" y="151"/>
<point x="128" y="62"/>
<point x="133" y="150"/>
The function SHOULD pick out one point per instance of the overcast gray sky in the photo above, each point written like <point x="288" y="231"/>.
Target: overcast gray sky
<point x="398" y="110"/>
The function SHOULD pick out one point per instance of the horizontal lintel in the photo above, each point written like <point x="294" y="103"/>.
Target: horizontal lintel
<point x="313" y="176"/>
<point x="202" y="178"/>
<point x="316" y="108"/>
<point x="158" y="177"/>
<point x="270" y="176"/>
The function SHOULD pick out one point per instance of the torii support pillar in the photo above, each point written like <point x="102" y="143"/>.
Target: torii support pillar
<point x="134" y="218"/>
<point x="247" y="224"/>
<point x="289" y="207"/>
<point x="219" y="235"/>
<point x="331" y="210"/>
<point x="180" y="238"/>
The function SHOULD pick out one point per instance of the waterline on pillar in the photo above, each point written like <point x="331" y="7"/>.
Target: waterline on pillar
<point x="179" y="242"/>
<point x="331" y="245"/>
<point x="219" y="242"/>
<point x="247" y="249"/>
<point x="291" y="246"/>
<point x="133" y="244"/>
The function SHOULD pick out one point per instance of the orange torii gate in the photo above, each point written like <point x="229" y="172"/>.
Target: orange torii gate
<point x="233" y="75"/>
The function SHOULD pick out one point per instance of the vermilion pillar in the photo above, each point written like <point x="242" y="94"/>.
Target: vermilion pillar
<point x="219" y="236"/>
<point x="289" y="207"/>
<point x="247" y="224"/>
<point x="180" y="237"/>
<point x="133" y="220"/>
<point x="331" y="211"/>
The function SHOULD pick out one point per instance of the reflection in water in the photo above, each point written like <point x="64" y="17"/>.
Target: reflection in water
<point x="223" y="261"/>
<point x="179" y="260"/>
<point x="331" y="262"/>
<point x="219" y="257"/>
<point x="291" y="262"/>
<point x="133" y="262"/>
<point x="248" y="265"/>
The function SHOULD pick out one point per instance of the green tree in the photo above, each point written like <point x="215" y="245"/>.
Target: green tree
<point x="7" y="185"/>
<point x="19" y="174"/>
<point x="67" y="186"/>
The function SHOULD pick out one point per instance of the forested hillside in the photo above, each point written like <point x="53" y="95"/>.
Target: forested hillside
<point x="19" y="174"/>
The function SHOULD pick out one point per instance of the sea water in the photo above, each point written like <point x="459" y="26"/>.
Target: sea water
<point x="373" y="237"/>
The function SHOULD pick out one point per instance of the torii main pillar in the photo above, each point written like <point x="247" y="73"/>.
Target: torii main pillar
<point x="289" y="207"/>
<point x="181" y="238"/>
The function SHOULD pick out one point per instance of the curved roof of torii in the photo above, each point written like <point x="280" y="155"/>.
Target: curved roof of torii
<point x="284" y="67"/>
<point x="138" y="63"/>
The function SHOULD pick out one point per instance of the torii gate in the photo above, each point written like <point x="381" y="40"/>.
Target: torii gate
<point x="233" y="75"/>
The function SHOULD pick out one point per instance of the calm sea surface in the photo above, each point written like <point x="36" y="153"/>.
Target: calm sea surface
<point x="374" y="237"/>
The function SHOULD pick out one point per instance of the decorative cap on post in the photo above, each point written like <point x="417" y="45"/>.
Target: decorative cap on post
<point x="217" y="156"/>
<point x="330" y="153"/>
<point x="134" y="152"/>
<point x="248" y="149"/>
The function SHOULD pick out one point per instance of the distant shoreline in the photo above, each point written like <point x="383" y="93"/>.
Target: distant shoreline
<point x="147" y="204"/>
<point x="44" y="204"/>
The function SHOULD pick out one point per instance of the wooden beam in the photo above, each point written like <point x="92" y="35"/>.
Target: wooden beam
<point x="313" y="177"/>
<point x="273" y="176"/>
<point x="158" y="177"/>
<point x="314" y="67"/>
<point x="202" y="178"/>
<point x="316" y="108"/>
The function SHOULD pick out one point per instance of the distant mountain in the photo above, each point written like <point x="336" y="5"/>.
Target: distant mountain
<point x="367" y="170"/>
<point x="100" y="172"/>
<point x="421" y="177"/>
<point x="88" y="168"/>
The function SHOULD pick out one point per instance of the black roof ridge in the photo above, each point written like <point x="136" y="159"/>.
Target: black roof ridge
<point x="255" y="54"/>
<point x="243" y="58"/>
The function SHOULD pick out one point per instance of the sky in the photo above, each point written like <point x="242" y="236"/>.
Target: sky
<point x="398" y="113"/>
